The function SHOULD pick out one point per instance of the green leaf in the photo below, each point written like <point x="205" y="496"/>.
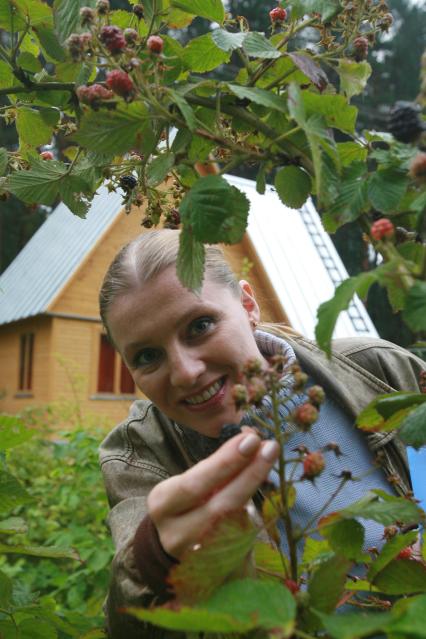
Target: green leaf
<point x="295" y="104"/>
<point x="4" y="160"/>
<point x="29" y="62"/>
<point x="257" y="46"/>
<point x="215" y="210"/>
<point x="402" y="577"/>
<point x="228" y="41"/>
<point x="346" y="538"/>
<point x="48" y="552"/>
<point x="113" y="131"/>
<point x="387" y="412"/>
<point x="11" y="492"/>
<point x="7" y="78"/>
<point x="415" y="309"/>
<point x="13" y="432"/>
<point x="327" y="584"/>
<point x="293" y="186"/>
<point x="413" y="428"/>
<point x="49" y="42"/>
<point x="267" y="604"/>
<point x="185" y="109"/>
<point x="386" y="188"/>
<point x="311" y="69"/>
<point x="259" y="96"/>
<point x="316" y="551"/>
<point x="159" y="168"/>
<point x="13" y="525"/>
<point x="67" y="16"/>
<point x="355" y="625"/>
<point x="32" y="128"/>
<point x="40" y="183"/>
<point x="335" y="110"/>
<point x="202" y="54"/>
<point x="386" y="510"/>
<point x="353" y="76"/>
<point x="8" y="12"/>
<point x="190" y="261"/>
<point x="351" y="200"/>
<point x="5" y="591"/>
<point x="191" y="620"/>
<point x="41" y="629"/>
<point x="351" y="152"/>
<point x="410" y="614"/>
<point x="261" y="179"/>
<point x="326" y="8"/>
<point x="221" y="552"/>
<point x="35" y="11"/>
<point x="390" y="403"/>
<point x="210" y="9"/>
<point x="268" y="560"/>
<point x="389" y="551"/>
<point x="328" y="312"/>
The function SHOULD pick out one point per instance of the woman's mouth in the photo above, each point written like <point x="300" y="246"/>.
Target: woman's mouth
<point x="209" y="396"/>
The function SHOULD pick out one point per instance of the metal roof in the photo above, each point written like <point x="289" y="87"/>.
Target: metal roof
<point x="45" y="264"/>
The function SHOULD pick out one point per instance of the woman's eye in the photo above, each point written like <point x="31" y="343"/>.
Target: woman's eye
<point x="200" y="326"/>
<point x="146" y="357"/>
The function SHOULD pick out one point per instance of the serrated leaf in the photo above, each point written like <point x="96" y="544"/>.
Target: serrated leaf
<point x="4" y="160"/>
<point x="113" y="131"/>
<point x="351" y="152"/>
<point x="202" y="54"/>
<point x="386" y="188"/>
<point x="12" y="493"/>
<point x="346" y="538"/>
<point x="158" y="169"/>
<point x="215" y="210"/>
<point x="326" y="8"/>
<point x="390" y="403"/>
<point x="178" y="19"/>
<point x="190" y="261"/>
<point x="409" y="617"/>
<point x="311" y="69"/>
<point x="49" y="42"/>
<point x="29" y="62"/>
<point x="259" y="96"/>
<point x="228" y="41"/>
<point x="389" y="551"/>
<point x="293" y="186"/>
<point x="5" y="591"/>
<point x="384" y="511"/>
<point x="9" y="17"/>
<point x="32" y="128"/>
<point x="7" y="78"/>
<point x="257" y="46"/>
<point x="42" y="629"/>
<point x="402" y="577"/>
<point x="210" y="9"/>
<point x="13" y="525"/>
<point x="355" y="625"/>
<point x="328" y="312"/>
<point x="67" y="16"/>
<point x="335" y="110"/>
<point x="190" y="619"/>
<point x="316" y="551"/>
<point x="415" y="307"/>
<point x="48" y="552"/>
<point x="353" y="76"/>
<point x="185" y="109"/>
<point x="268" y="560"/>
<point x="413" y="428"/>
<point x="326" y="585"/>
<point x="295" y="104"/>
<point x="35" y="11"/>
<point x="387" y="412"/>
<point x="351" y="199"/>
<point x="13" y="432"/>
<point x="222" y="550"/>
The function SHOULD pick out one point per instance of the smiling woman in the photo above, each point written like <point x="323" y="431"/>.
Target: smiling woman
<point x="168" y="475"/>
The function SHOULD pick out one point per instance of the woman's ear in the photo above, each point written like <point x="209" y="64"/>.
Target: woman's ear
<point x="249" y="302"/>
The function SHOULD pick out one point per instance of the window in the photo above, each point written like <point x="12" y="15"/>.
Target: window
<point x="109" y="365"/>
<point x="26" y="348"/>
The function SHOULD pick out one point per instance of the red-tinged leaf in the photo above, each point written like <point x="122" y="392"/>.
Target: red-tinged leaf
<point x="311" y="69"/>
<point x="220" y="553"/>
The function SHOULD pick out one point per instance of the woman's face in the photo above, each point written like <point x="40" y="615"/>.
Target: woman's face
<point x="184" y="351"/>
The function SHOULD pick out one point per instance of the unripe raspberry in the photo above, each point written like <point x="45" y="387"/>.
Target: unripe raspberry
<point x="86" y="39"/>
<point x="299" y="381"/>
<point x="46" y="155"/>
<point x="418" y="168"/>
<point x="87" y="16"/>
<point x="279" y="14"/>
<point x="382" y="229"/>
<point x="113" y="39"/>
<point x="313" y="465"/>
<point x="102" y="7"/>
<point x="93" y="93"/>
<point x="130" y="35"/>
<point x="138" y="11"/>
<point x="74" y="46"/>
<point x="386" y="22"/>
<point x="316" y="395"/>
<point x="253" y="367"/>
<point x="360" y="48"/>
<point x="240" y="396"/>
<point x="119" y="82"/>
<point x="389" y="532"/>
<point x="405" y="553"/>
<point x="257" y="390"/>
<point x="305" y="415"/>
<point x="155" y="44"/>
<point x="291" y="585"/>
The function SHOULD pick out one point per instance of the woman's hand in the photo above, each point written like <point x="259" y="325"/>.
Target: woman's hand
<point x="186" y="506"/>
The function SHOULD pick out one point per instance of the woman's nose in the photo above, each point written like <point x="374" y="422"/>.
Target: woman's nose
<point x="186" y="366"/>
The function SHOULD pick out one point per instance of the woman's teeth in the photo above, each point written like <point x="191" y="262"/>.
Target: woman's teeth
<point x="205" y="395"/>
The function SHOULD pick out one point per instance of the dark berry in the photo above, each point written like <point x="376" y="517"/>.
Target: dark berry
<point x="360" y="48"/>
<point x="404" y="122"/>
<point x="113" y="39"/>
<point x="128" y="182"/>
<point x="138" y="10"/>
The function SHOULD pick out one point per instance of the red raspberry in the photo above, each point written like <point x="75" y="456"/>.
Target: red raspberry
<point x="360" y="48"/>
<point x="291" y="585"/>
<point x="93" y="93"/>
<point x="47" y="155"/>
<point x="155" y="44"/>
<point x="405" y="553"/>
<point x="316" y="395"/>
<point x="313" y="465"/>
<point x="418" y="168"/>
<point x="119" y="82"/>
<point x="113" y="39"/>
<point x="305" y="415"/>
<point x="382" y="229"/>
<point x="278" y="14"/>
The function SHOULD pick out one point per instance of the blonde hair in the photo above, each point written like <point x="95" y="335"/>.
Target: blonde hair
<point x="149" y="255"/>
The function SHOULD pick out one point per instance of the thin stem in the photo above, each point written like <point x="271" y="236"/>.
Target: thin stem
<point x="42" y="86"/>
<point x="325" y="506"/>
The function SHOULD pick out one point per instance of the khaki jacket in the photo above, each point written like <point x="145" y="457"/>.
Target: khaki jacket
<point x="146" y="449"/>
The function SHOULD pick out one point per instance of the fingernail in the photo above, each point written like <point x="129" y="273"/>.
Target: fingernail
<point x="249" y="445"/>
<point x="270" y="451"/>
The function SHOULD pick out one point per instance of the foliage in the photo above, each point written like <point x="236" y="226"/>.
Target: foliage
<point x="54" y="497"/>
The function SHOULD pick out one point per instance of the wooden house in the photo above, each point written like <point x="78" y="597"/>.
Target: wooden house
<point x="49" y="321"/>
